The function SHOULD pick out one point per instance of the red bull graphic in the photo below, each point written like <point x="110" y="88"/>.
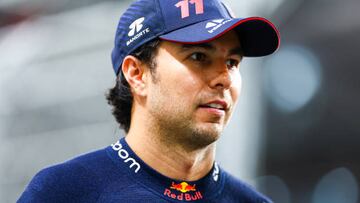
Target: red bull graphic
<point x="183" y="188"/>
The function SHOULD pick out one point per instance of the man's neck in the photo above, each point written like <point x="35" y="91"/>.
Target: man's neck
<point x="171" y="159"/>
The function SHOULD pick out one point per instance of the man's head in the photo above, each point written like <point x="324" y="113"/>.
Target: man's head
<point x="178" y="57"/>
<point x="188" y="89"/>
<point x="195" y="89"/>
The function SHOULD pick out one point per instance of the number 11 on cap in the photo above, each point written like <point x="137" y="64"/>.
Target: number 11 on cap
<point x="184" y="6"/>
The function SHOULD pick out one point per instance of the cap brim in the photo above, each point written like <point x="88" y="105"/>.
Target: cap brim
<point x="258" y="36"/>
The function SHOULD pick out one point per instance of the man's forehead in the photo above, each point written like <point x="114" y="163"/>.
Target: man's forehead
<point x="235" y="49"/>
<point x="208" y="46"/>
<point x="230" y="40"/>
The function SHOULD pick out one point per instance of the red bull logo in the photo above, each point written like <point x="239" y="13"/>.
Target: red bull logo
<point x="183" y="188"/>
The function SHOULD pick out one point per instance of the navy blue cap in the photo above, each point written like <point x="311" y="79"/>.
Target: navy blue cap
<point x="189" y="22"/>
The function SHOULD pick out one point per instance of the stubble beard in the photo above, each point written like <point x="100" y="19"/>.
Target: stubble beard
<point x="176" y="126"/>
<point x="174" y="123"/>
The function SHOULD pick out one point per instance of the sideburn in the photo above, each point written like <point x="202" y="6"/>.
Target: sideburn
<point x="152" y="66"/>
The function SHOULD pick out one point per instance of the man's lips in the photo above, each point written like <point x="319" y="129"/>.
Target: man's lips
<point x="216" y="104"/>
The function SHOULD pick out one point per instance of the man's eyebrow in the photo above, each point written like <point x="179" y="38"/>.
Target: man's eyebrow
<point x="237" y="51"/>
<point x="203" y="45"/>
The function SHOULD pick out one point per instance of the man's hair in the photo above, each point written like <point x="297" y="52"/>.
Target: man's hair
<point x="120" y="97"/>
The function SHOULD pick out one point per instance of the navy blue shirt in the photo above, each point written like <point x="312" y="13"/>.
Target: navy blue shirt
<point x="117" y="174"/>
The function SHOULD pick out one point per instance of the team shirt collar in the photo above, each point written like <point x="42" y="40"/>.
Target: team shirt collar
<point x="207" y="187"/>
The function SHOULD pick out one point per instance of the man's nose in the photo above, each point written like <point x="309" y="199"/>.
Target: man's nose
<point x="222" y="78"/>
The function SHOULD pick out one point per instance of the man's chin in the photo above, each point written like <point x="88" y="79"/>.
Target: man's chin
<point x="211" y="129"/>
<point x="206" y="134"/>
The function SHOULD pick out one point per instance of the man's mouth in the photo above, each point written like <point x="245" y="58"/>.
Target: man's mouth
<point x="216" y="104"/>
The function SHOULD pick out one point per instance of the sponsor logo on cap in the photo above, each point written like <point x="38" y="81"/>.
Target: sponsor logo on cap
<point x="136" y="29"/>
<point x="213" y="25"/>
<point x="183" y="191"/>
<point x="136" y="26"/>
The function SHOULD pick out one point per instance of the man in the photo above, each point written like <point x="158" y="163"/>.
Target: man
<point x="177" y="84"/>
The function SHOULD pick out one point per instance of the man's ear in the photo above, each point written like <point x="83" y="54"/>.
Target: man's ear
<point x="134" y="72"/>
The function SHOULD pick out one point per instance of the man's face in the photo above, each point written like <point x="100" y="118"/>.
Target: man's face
<point x="194" y="89"/>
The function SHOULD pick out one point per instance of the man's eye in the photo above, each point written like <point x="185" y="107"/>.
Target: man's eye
<point x="198" y="56"/>
<point x="232" y="63"/>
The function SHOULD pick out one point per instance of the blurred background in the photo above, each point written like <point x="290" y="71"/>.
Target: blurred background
<point x="295" y="135"/>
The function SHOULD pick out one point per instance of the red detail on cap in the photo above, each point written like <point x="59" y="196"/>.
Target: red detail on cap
<point x="230" y="28"/>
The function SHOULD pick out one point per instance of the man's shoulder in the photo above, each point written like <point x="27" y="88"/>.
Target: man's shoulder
<point x="240" y="190"/>
<point x="82" y="177"/>
<point x="78" y="168"/>
<point x="86" y="164"/>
